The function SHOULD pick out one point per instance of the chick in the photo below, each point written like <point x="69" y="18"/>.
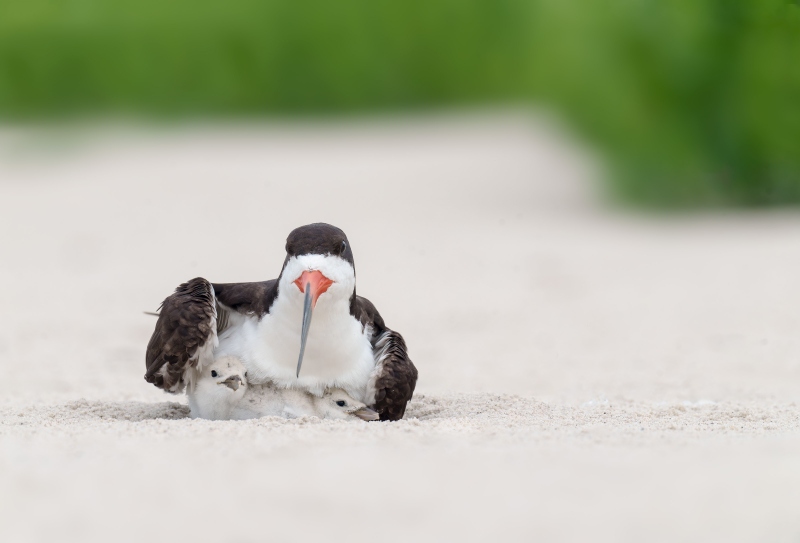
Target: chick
<point x="217" y="389"/>
<point x="221" y="392"/>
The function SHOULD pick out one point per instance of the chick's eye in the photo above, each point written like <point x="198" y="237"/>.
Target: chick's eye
<point x="343" y="248"/>
<point x="213" y="373"/>
<point x="341" y="403"/>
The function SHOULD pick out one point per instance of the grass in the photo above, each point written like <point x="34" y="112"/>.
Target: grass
<point x="695" y="103"/>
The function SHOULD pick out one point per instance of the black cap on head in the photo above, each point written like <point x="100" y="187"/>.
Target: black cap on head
<point x="318" y="239"/>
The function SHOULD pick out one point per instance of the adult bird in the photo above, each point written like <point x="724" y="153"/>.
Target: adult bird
<point x="268" y="325"/>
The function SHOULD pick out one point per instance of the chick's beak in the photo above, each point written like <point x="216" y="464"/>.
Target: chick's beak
<point x="365" y="413"/>
<point x="232" y="382"/>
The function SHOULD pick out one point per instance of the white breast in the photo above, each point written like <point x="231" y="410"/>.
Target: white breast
<point x="338" y="351"/>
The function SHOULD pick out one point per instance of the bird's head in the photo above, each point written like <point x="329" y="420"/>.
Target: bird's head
<point x="335" y="403"/>
<point x="225" y="379"/>
<point x="318" y="271"/>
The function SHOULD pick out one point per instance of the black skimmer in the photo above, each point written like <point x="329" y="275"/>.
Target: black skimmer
<point x="307" y="329"/>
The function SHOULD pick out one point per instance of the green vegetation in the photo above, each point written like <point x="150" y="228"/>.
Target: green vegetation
<point x="695" y="102"/>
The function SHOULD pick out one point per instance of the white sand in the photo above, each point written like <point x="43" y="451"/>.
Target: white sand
<point x="585" y="375"/>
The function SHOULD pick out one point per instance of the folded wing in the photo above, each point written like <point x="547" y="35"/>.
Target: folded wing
<point x="184" y="337"/>
<point x="395" y="376"/>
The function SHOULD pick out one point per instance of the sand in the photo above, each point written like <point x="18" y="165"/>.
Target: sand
<point x="586" y="374"/>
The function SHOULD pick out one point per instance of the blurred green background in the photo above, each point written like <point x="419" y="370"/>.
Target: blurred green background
<point x="693" y="102"/>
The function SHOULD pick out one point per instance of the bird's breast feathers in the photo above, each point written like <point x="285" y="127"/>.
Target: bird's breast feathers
<point x="338" y="351"/>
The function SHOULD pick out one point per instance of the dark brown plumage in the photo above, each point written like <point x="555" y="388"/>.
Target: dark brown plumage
<point x="247" y="298"/>
<point x="186" y="322"/>
<point x="395" y="385"/>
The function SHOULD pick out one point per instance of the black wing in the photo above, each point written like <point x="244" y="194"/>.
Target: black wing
<point x="396" y="378"/>
<point x="187" y="322"/>
<point x="247" y="298"/>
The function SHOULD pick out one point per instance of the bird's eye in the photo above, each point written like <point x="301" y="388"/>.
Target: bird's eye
<point x="343" y="248"/>
<point x="245" y="375"/>
<point x="213" y="373"/>
<point x="341" y="403"/>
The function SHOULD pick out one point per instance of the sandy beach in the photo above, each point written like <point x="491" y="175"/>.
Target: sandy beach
<point x="586" y="373"/>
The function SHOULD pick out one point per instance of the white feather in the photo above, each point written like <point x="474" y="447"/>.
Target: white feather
<point x="338" y="350"/>
<point x="211" y="399"/>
